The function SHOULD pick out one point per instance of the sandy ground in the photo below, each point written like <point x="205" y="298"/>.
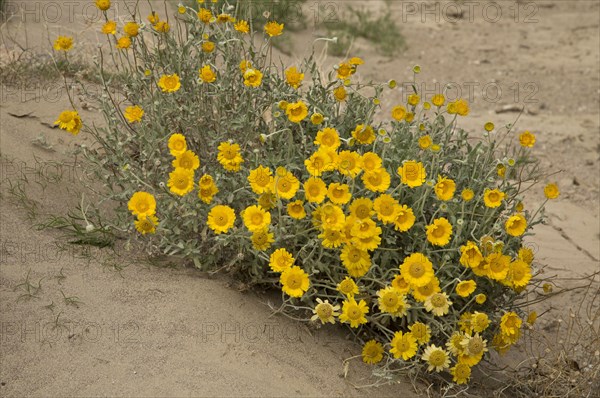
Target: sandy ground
<point x="148" y="330"/>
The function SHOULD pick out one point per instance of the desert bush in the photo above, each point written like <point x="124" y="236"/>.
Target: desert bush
<point x="404" y="228"/>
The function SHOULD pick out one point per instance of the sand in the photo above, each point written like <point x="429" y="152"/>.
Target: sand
<point x="132" y="328"/>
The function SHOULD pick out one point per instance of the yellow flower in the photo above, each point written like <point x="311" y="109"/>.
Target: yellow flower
<point x="439" y="232"/>
<point x="501" y="170"/>
<point x="131" y="29"/>
<point x="551" y="191"/>
<point x="285" y="183"/>
<point x="377" y="180"/>
<point x="245" y="65"/>
<point x="103" y="5"/>
<point x="413" y="99"/>
<point x="526" y="254"/>
<point x="387" y="208"/>
<point x="339" y="193"/>
<point x="422" y="293"/>
<point x="224" y="18"/>
<point x="133" y="114"/>
<point x="221" y="218"/>
<point x="252" y="77"/>
<point x="489" y="126"/>
<point x="331" y="238"/>
<point x="438" y="303"/>
<point x="470" y="255"/>
<point x="146" y="224"/>
<point x="527" y="139"/>
<point x="142" y="204"/>
<point x="519" y="274"/>
<point x="260" y="179"/>
<point x="465" y="288"/>
<point x="398" y="112"/>
<point x="315" y="190"/>
<point x="296" y="111"/>
<point x="153" y="17"/>
<point x="404" y="345"/>
<point x="181" y="9"/>
<point x="169" y="83"/>
<point x="516" y="225"/>
<point x="405" y="219"/>
<point x="493" y="198"/>
<point x="177" y="144"/>
<point x="181" y="181"/>
<point x="444" y="189"/>
<point x="207" y="188"/>
<point x="425" y="142"/>
<point x="242" y="26"/>
<point x="417" y="270"/>
<point x="296" y="210"/>
<point x="356" y="261"/>
<point x="349" y="163"/>
<point x="390" y="300"/>
<point x="353" y="312"/>
<point x="281" y="260"/>
<point x="421" y="332"/>
<point x="510" y="324"/>
<point x="69" y="121"/>
<point x="267" y="200"/>
<point x="320" y="161"/>
<point x="63" y="43"/>
<point x="480" y="298"/>
<point x="462" y="107"/>
<point x="207" y="75"/>
<point x="332" y="217"/>
<point x="412" y="173"/>
<point x="461" y="373"/>
<point x="293" y="77"/>
<point x="328" y="137"/>
<point x="372" y="352"/>
<point x="347" y="287"/>
<point x="531" y="318"/>
<point x="497" y="266"/>
<point x="356" y="61"/>
<point x="109" y="28"/>
<point x="229" y="156"/>
<point x="273" y="28"/>
<point x="364" y="134"/>
<point x="294" y="281"/>
<point x="205" y="15"/>
<point x="123" y="43"/>
<point x="479" y="321"/>
<point x="187" y="160"/>
<point x="436" y="357"/>
<point x="162" y="27"/>
<point x="400" y="284"/>
<point x="344" y="70"/>
<point x="438" y="100"/>
<point x="208" y="46"/>
<point x="316" y="118"/>
<point x="467" y="194"/>
<point x="371" y="161"/>
<point x="361" y="208"/>
<point x="339" y="93"/>
<point x="255" y="218"/>
<point x="325" y="312"/>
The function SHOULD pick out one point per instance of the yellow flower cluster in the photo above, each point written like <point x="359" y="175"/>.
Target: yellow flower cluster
<point x="402" y="230"/>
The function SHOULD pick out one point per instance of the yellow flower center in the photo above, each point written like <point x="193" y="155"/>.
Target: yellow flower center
<point x="437" y="358"/>
<point x="416" y="270"/>
<point x="438" y="300"/>
<point x="221" y="220"/>
<point x="363" y="211"/>
<point x="438" y="231"/>
<point x="294" y="281"/>
<point x="354" y="313"/>
<point x="257" y="218"/>
<point x="391" y="299"/>
<point x="354" y="255"/>
<point x="324" y="310"/>
<point x="475" y="346"/>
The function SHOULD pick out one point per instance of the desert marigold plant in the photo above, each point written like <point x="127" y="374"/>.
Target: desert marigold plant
<point x="395" y="223"/>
